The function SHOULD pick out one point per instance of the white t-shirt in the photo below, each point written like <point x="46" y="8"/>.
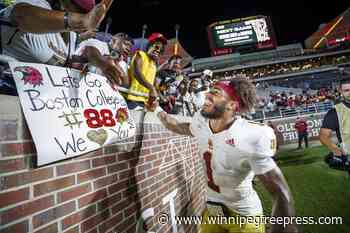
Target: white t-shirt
<point x="103" y="48"/>
<point x="30" y="47"/>
<point x="235" y="156"/>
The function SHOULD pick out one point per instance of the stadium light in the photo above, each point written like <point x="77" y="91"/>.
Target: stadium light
<point x="329" y="31"/>
<point x="176" y="48"/>
<point x="144" y="29"/>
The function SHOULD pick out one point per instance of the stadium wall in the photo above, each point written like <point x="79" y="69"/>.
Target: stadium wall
<point x="121" y="188"/>
<point x="287" y="133"/>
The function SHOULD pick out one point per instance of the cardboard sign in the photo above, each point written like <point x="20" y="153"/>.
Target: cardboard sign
<point x="70" y="114"/>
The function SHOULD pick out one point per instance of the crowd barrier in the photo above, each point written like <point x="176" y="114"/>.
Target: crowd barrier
<point x="121" y="188"/>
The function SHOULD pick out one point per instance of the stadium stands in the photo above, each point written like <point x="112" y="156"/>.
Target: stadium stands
<point x="284" y="65"/>
<point x="237" y="59"/>
<point x="298" y="111"/>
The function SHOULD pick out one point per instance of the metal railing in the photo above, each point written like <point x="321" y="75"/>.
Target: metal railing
<point x="290" y="112"/>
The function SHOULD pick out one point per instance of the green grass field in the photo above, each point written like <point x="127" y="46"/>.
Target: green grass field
<point x="317" y="189"/>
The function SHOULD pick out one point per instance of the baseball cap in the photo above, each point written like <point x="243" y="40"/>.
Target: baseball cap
<point x="86" y="5"/>
<point x="157" y="36"/>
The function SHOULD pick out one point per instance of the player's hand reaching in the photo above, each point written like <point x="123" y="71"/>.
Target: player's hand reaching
<point x="151" y="104"/>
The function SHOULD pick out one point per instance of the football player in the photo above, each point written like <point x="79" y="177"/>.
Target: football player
<point x="233" y="151"/>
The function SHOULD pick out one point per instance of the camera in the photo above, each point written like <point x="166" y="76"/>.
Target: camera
<point x="338" y="162"/>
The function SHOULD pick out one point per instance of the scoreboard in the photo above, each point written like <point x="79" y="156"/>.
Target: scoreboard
<point x="247" y="34"/>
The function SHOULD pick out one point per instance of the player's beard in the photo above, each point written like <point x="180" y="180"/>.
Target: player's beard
<point x="346" y="98"/>
<point x="217" y="112"/>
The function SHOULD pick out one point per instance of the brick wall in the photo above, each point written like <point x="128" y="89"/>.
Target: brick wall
<point x="105" y="191"/>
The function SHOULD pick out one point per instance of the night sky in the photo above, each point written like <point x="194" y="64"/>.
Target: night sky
<point x="293" y="21"/>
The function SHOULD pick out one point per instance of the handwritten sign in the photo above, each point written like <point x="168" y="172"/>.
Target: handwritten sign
<point x="68" y="113"/>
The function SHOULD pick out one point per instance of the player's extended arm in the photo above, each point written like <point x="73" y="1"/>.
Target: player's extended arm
<point x="174" y="125"/>
<point x="326" y="139"/>
<point x="283" y="203"/>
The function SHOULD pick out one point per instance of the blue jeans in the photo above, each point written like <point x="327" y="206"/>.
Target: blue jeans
<point x="134" y="104"/>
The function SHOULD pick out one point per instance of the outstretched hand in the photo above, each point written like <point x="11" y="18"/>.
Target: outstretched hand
<point x="94" y="18"/>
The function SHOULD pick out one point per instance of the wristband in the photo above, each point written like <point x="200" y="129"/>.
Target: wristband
<point x="158" y="110"/>
<point x="66" y="20"/>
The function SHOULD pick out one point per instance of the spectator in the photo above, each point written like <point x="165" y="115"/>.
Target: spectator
<point x="301" y="128"/>
<point x="207" y="75"/>
<point x="338" y="120"/>
<point x="183" y="104"/>
<point x="291" y="102"/>
<point x="261" y="103"/>
<point x="172" y="74"/>
<point x="197" y="93"/>
<point x="197" y="90"/>
<point x="142" y="72"/>
<point x="108" y="59"/>
<point x="287" y="67"/>
<point x="44" y="31"/>
<point x="120" y="47"/>
<point x="271" y="106"/>
<point x="173" y="65"/>
<point x="166" y="100"/>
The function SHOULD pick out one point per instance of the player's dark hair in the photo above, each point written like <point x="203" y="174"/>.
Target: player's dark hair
<point x="345" y="80"/>
<point x="245" y="89"/>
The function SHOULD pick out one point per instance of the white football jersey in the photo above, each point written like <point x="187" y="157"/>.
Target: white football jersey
<point x="231" y="158"/>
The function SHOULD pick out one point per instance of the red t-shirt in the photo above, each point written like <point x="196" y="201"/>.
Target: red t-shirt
<point x="301" y="126"/>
